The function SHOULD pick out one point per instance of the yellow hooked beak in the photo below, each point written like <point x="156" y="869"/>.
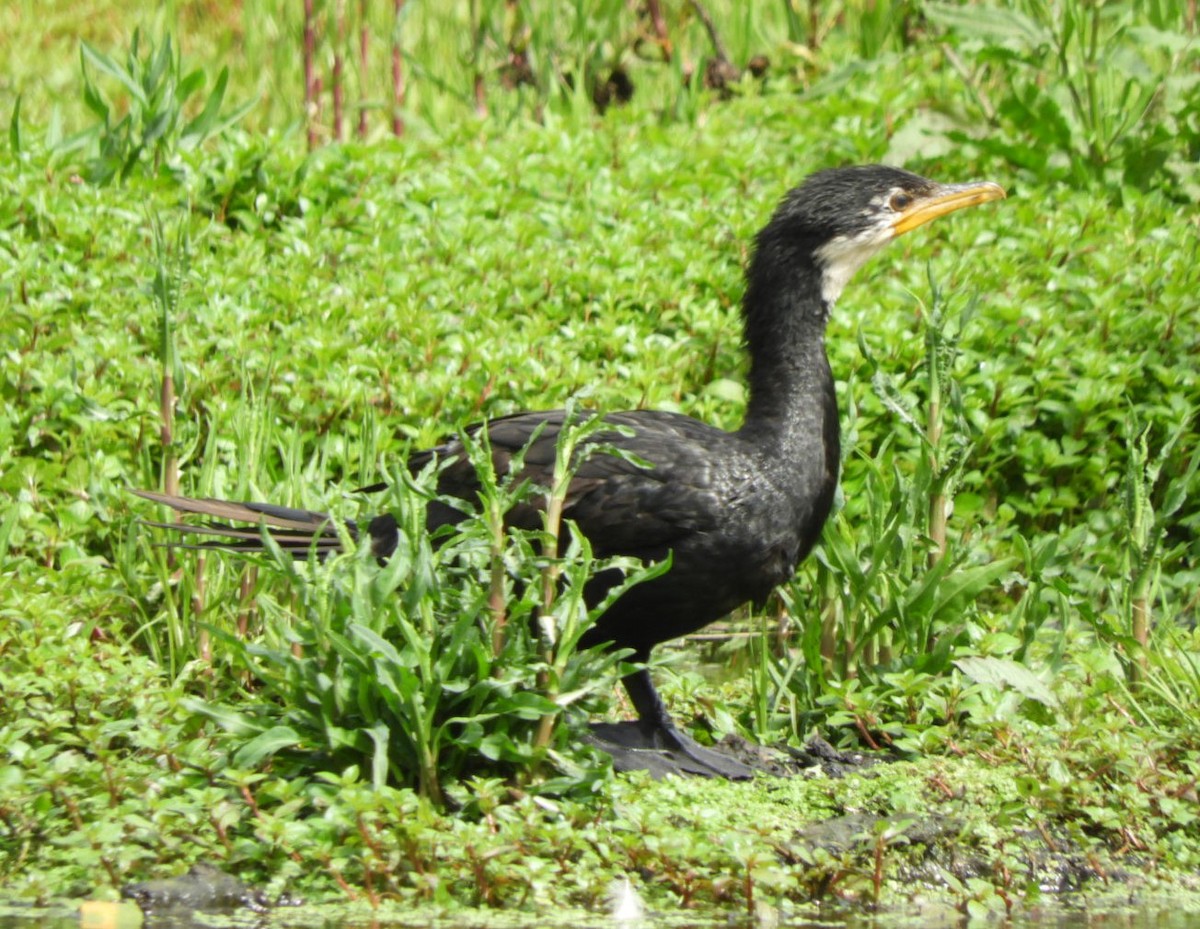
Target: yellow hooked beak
<point x="945" y="199"/>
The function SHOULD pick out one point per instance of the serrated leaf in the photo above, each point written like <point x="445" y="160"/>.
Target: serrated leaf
<point x="1167" y="41"/>
<point x="889" y="395"/>
<point x="992" y="24"/>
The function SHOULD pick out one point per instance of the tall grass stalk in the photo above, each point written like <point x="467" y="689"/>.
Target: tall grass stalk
<point x="659" y="23"/>
<point x="398" y="81"/>
<point x="478" y="36"/>
<point x="556" y="497"/>
<point x="339" y="91"/>
<point x="1153" y="496"/>
<point x="311" y="88"/>
<point x="944" y="463"/>
<point x="364" y="54"/>
<point x="169" y="271"/>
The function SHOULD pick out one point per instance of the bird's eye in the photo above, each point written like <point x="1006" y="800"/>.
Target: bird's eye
<point x="899" y="201"/>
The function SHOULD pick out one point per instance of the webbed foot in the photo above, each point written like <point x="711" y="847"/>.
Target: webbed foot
<point x="664" y="750"/>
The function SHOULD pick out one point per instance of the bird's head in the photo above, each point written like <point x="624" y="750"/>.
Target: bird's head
<point x="840" y="217"/>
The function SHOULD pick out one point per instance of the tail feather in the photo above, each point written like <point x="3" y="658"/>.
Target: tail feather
<point x="248" y="539"/>
<point x="214" y="529"/>
<point x="278" y="517"/>
<point x="297" y="531"/>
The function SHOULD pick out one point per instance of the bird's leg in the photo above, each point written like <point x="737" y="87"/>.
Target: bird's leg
<point x="653" y="717"/>
<point x="660" y="731"/>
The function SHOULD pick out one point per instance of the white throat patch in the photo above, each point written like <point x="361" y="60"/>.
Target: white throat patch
<point x="839" y="258"/>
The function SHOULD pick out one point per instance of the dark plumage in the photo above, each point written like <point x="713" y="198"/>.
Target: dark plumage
<point x="737" y="511"/>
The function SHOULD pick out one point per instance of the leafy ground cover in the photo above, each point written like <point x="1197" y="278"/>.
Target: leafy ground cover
<point x="1027" y="370"/>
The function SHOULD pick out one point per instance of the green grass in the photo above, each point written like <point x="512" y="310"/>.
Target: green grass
<point x="329" y="310"/>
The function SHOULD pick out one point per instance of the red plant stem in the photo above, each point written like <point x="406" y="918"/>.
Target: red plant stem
<point x="364" y="38"/>
<point x="654" y="8"/>
<point x="397" y="75"/>
<point x="481" y="109"/>
<point x="710" y="27"/>
<point x="338" y="93"/>
<point x="309" y="79"/>
<point x="318" y="110"/>
<point x="247" y="606"/>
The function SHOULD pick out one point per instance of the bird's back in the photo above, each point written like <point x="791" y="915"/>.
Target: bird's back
<point x="734" y="520"/>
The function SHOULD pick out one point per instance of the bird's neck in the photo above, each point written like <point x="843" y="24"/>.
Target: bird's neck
<point x="791" y="386"/>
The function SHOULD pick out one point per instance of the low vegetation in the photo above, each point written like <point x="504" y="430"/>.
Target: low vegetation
<point x="1005" y="598"/>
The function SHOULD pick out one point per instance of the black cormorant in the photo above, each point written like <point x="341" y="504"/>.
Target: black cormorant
<point x="736" y="511"/>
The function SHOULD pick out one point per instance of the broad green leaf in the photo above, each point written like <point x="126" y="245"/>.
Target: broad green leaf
<point x="375" y="642"/>
<point x="991" y="23"/>
<point x="264" y="745"/>
<point x="229" y="719"/>
<point x="965" y="584"/>
<point x="203" y="125"/>
<point x="189" y="85"/>
<point x="1173" y="42"/>
<point x="1003" y="672"/>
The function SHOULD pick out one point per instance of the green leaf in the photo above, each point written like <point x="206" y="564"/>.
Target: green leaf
<point x="227" y="719"/>
<point x="92" y="98"/>
<point x="1177" y="490"/>
<point x="6" y="529"/>
<point x="529" y="705"/>
<point x="724" y="388"/>
<point x="966" y="584"/>
<point x="189" y="85"/>
<point x="1172" y="42"/>
<point x="990" y="23"/>
<point x="105" y="65"/>
<point x="154" y="130"/>
<point x="14" y="128"/>
<point x="158" y="66"/>
<point x="264" y="745"/>
<point x="1003" y="672"/>
<point x="381" y="736"/>
<point x="202" y="126"/>
<point x="891" y="397"/>
<point x="375" y="642"/>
